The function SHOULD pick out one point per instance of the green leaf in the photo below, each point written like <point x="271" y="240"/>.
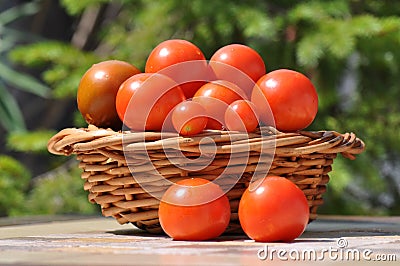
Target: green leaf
<point x="331" y="37"/>
<point x="63" y="70"/>
<point x="317" y="11"/>
<point x="67" y="87"/>
<point x="15" y="12"/>
<point x="310" y="50"/>
<point x="75" y="7"/>
<point x="369" y="26"/>
<point x="11" y="117"/>
<point x="23" y="81"/>
<point x="32" y="141"/>
<point x="42" y="53"/>
<point x="339" y="39"/>
<point x="365" y="25"/>
<point x="255" y="22"/>
<point x="6" y="43"/>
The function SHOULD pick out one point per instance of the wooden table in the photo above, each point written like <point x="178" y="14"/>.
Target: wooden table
<point x="102" y="241"/>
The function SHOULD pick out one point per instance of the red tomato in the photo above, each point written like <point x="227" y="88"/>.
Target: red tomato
<point x="291" y="97"/>
<point x="241" y="115"/>
<point x="97" y="91"/>
<point x="189" y="118"/>
<point x="172" y="52"/>
<point x="144" y="100"/>
<point x="215" y="97"/>
<point x="194" y="209"/>
<point x="238" y="64"/>
<point x="273" y="209"/>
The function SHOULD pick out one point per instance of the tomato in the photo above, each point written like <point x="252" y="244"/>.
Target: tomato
<point x="194" y="209"/>
<point x="273" y="209"/>
<point x="291" y="97"/>
<point x="189" y="118"/>
<point x="173" y="52"/>
<point x="97" y="90"/>
<point x="215" y="97"/>
<point x="241" y="115"/>
<point x="144" y="101"/>
<point x="238" y="64"/>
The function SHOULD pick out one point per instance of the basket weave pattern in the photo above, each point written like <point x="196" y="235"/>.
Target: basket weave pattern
<point x="110" y="159"/>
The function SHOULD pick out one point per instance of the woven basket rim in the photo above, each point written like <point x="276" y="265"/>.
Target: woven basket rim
<point x="80" y="140"/>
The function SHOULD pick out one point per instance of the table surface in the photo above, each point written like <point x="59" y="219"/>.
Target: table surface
<point x="64" y="240"/>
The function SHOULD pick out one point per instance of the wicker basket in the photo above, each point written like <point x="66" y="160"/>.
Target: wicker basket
<point x="111" y="159"/>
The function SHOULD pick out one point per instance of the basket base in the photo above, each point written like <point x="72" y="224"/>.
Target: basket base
<point x="234" y="227"/>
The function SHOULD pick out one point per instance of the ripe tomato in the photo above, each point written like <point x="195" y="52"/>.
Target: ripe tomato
<point x="194" y="209"/>
<point x="189" y="118"/>
<point x="273" y="209"/>
<point x="215" y="97"/>
<point x="290" y="95"/>
<point x="172" y="52"/>
<point x="97" y="91"/>
<point x="238" y="64"/>
<point x="241" y="115"/>
<point x="144" y="100"/>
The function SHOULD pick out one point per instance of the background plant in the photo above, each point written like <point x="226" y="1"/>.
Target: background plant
<point x="349" y="48"/>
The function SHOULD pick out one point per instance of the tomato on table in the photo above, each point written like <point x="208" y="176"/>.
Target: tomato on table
<point x="194" y="209"/>
<point x="171" y="58"/>
<point x="241" y="115"/>
<point x="273" y="209"/>
<point x="215" y="97"/>
<point x="144" y="101"/>
<point x="290" y="96"/>
<point x="97" y="91"/>
<point x="239" y="64"/>
<point x="189" y="118"/>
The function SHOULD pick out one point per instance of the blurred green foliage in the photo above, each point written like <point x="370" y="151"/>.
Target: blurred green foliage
<point x="11" y="115"/>
<point x="59" y="193"/>
<point x="20" y="194"/>
<point x="68" y="64"/>
<point x="35" y="141"/>
<point x="349" y="48"/>
<point x="14" y="184"/>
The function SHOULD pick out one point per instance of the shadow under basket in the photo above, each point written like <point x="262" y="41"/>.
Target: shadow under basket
<point x="126" y="173"/>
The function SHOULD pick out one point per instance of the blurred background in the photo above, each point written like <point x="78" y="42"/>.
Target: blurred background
<point x="349" y="48"/>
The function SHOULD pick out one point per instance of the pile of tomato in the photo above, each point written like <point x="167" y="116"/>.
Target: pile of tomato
<point x="183" y="92"/>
